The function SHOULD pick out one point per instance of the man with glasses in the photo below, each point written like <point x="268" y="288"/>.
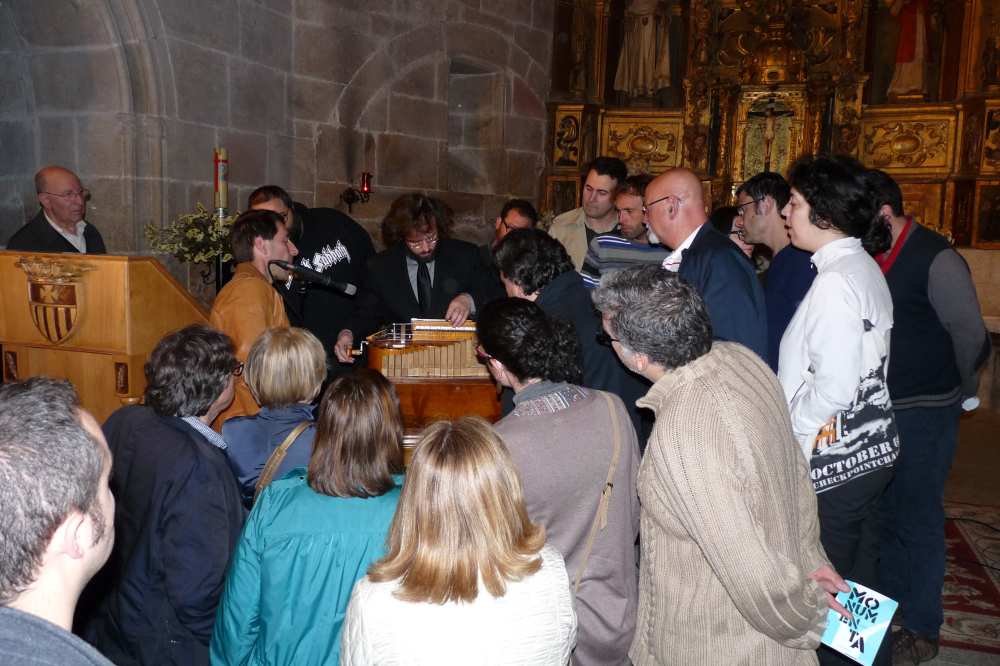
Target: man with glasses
<point x="675" y="209"/>
<point x="515" y="214"/>
<point x="331" y="243"/>
<point x="759" y="203"/>
<point x="59" y="226"/>
<point x="422" y="273"/>
<point x="178" y="510"/>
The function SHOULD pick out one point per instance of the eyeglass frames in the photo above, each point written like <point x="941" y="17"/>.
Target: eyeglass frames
<point x="603" y="337"/>
<point x="81" y="194"/>
<point x="646" y="207"/>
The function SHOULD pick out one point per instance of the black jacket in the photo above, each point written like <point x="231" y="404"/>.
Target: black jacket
<point x="39" y="236"/>
<point x="568" y="297"/>
<point x="388" y="297"/>
<point x="178" y="516"/>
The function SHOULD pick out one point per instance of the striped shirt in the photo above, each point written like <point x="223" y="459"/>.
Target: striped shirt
<point x="612" y="252"/>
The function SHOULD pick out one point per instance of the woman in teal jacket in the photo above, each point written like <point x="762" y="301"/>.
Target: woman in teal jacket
<point x="312" y="534"/>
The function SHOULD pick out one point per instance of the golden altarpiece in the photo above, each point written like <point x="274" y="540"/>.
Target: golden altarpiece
<point x="730" y="88"/>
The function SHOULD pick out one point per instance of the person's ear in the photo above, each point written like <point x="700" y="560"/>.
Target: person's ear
<point x="768" y="205"/>
<point x="260" y="246"/>
<point x="43" y="200"/>
<point x="886" y="212"/>
<point x="497" y="224"/>
<point x="641" y="362"/>
<point x="74" y="535"/>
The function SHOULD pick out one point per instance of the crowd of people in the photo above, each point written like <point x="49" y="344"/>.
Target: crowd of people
<point x="706" y="434"/>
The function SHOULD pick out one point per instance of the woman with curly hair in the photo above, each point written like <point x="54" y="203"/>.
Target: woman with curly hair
<point x="570" y="443"/>
<point x="833" y="361"/>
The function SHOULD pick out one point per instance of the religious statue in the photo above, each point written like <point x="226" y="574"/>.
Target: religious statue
<point x="913" y="51"/>
<point x="644" y="62"/>
<point x="991" y="60"/>
<point x="770" y="117"/>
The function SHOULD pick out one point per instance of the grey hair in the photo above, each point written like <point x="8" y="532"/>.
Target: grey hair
<point x="656" y="313"/>
<point x="50" y="466"/>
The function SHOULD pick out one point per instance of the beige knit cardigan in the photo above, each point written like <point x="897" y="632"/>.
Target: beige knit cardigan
<point x="728" y="522"/>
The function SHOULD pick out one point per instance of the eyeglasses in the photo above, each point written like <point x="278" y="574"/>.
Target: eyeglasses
<point x="481" y="353"/>
<point x="603" y="337"/>
<point x="646" y="207"/>
<point x="82" y="194"/>
<point x="238" y="370"/>
<point x="430" y="242"/>
<point x="738" y="233"/>
<point x="742" y="208"/>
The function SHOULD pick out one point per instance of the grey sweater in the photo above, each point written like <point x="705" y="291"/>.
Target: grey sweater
<point x="562" y="440"/>
<point x="729" y="526"/>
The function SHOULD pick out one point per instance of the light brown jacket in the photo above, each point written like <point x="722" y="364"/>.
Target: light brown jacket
<point x="242" y="310"/>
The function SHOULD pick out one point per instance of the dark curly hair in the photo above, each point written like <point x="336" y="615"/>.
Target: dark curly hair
<point x="529" y="343"/>
<point x="415" y="211"/>
<point x="840" y="196"/>
<point x="188" y="370"/>
<point x="531" y="258"/>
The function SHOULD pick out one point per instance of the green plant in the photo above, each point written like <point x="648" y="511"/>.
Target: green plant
<point x="197" y="237"/>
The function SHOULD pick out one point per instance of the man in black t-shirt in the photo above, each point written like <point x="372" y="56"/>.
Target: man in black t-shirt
<point x="330" y="243"/>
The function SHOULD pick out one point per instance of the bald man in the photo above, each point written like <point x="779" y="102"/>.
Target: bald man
<point x="59" y="226"/>
<point x="707" y="258"/>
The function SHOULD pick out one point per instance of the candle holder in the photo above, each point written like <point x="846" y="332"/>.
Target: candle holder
<point x="351" y="195"/>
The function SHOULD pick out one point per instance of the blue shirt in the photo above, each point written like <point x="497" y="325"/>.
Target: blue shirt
<point x="252" y="440"/>
<point x="788" y="279"/>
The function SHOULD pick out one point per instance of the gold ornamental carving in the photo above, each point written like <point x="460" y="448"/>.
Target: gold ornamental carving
<point x="907" y="144"/>
<point x="642" y="146"/>
<point x="55" y="295"/>
<point x="646" y="142"/>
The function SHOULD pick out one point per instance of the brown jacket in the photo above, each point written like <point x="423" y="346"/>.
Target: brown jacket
<point x="242" y="310"/>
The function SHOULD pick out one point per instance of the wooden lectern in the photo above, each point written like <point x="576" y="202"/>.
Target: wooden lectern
<point x="93" y="319"/>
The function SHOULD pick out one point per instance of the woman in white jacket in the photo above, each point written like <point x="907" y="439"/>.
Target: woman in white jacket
<point x="461" y="526"/>
<point x="833" y="360"/>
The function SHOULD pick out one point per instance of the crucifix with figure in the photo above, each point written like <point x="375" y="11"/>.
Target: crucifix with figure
<point x="770" y="116"/>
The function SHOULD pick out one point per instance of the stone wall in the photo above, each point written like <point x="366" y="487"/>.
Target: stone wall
<point x="134" y="95"/>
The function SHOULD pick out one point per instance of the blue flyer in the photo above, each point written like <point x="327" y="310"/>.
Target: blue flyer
<point x="861" y="637"/>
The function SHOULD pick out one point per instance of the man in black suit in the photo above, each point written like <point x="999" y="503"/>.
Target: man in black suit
<point x="59" y="226"/>
<point x="422" y="273"/>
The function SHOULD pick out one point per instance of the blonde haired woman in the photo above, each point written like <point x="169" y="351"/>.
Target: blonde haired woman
<point x="468" y="578"/>
<point x="285" y="370"/>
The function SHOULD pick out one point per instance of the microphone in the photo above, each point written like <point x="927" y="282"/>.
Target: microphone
<point x="304" y="273"/>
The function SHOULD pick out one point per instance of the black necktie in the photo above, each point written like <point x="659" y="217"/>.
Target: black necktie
<point x="424" y="288"/>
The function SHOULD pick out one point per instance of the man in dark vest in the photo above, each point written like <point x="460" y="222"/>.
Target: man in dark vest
<point x="939" y="343"/>
<point x="59" y="226"/>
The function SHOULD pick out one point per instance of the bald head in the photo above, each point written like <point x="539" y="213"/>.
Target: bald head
<point x="679" y="205"/>
<point x="62" y="196"/>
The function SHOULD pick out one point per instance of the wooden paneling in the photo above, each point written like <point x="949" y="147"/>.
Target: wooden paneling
<point x="119" y="307"/>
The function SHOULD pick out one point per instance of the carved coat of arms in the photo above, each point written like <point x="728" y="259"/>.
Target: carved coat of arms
<point x="55" y="295"/>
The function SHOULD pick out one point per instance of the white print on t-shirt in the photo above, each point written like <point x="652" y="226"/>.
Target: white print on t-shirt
<point x="326" y="257"/>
